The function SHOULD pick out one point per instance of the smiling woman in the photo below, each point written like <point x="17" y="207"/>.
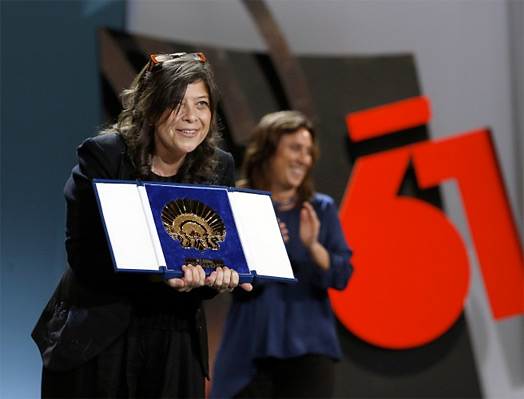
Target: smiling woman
<point x="290" y="165"/>
<point x="101" y="330"/>
<point x="280" y="341"/>
<point x="182" y="130"/>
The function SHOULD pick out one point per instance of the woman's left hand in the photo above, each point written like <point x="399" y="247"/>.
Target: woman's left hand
<point x="309" y="225"/>
<point x="309" y="232"/>
<point x="225" y="279"/>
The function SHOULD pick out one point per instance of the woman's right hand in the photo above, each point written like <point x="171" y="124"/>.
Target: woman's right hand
<point x="283" y="230"/>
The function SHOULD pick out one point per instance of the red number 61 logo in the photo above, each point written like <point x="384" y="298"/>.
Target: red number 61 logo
<point x="411" y="265"/>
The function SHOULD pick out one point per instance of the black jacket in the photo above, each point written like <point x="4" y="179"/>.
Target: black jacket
<point x="92" y="305"/>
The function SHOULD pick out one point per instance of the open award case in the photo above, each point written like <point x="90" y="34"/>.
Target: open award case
<point x="158" y="227"/>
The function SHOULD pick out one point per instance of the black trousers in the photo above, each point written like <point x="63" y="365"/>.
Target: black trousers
<point x="153" y="361"/>
<point x="308" y="376"/>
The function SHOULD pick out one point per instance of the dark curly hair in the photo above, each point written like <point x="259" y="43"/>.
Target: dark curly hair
<point x="159" y="88"/>
<point x="262" y="147"/>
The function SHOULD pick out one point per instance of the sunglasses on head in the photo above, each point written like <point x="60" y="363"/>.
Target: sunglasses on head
<point x="160" y="58"/>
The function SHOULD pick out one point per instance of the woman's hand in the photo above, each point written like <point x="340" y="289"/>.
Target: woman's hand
<point x="221" y="279"/>
<point x="283" y="230"/>
<point x="194" y="277"/>
<point x="225" y="279"/>
<point x="309" y="231"/>
<point x="309" y="225"/>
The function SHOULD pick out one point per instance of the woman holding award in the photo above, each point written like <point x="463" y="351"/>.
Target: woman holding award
<point x="113" y="335"/>
<point x="279" y="340"/>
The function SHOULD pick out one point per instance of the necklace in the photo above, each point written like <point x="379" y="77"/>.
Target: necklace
<point x="282" y="204"/>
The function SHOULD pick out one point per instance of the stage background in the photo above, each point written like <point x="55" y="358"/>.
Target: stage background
<point x="467" y="58"/>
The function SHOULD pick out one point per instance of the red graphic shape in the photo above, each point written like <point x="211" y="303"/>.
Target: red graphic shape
<point x="388" y="118"/>
<point x="470" y="158"/>
<point x="411" y="268"/>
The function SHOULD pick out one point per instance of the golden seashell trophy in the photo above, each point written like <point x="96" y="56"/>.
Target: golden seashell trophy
<point x="194" y="224"/>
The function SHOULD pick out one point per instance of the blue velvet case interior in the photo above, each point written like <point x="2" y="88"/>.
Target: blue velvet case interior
<point x="196" y="202"/>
